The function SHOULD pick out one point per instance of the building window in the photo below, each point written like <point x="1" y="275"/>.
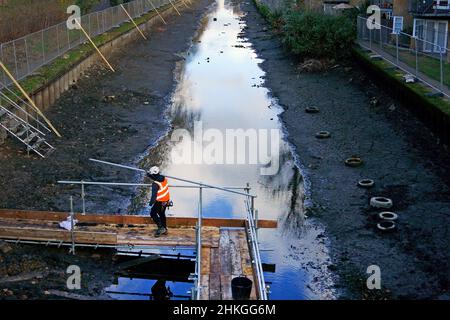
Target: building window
<point x="442" y="4"/>
<point x="431" y="35"/>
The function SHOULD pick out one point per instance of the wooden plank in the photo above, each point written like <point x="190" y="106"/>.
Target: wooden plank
<point x="176" y="236"/>
<point x="57" y="235"/>
<point x="206" y="261"/>
<point x="225" y="284"/>
<point x="246" y="261"/>
<point x="214" y="286"/>
<point x="204" y="288"/>
<point x="215" y="261"/>
<point x="23" y="277"/>
<point x="235" y="253"/>
<point x="224" y="252"/>
<point x="129" y="219"/>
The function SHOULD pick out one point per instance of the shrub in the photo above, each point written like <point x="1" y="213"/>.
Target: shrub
<point x="315" y="35"/>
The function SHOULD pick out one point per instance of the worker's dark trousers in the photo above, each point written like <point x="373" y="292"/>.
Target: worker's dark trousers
<point x="158" y="214"/>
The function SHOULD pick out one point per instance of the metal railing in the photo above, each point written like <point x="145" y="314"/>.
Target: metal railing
<point x="10" y="100"/>
<point x="252" y="231"/>
<point x="427" y="61"/>
<point x="252" y="219"/>
<point x="25" y="55"/>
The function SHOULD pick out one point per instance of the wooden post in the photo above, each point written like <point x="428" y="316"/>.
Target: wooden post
<point x="96" y="48"/>
<point x="175" y="8"/>
<point x="159" y="14"/>
<point x="184" y="4"/>
<point x="132" y="20"/>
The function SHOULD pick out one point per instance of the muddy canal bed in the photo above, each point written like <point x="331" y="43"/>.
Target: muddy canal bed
<point x="406" y="161"/>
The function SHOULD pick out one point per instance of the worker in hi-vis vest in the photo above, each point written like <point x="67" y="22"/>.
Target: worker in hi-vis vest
<point x="160" y="200"/>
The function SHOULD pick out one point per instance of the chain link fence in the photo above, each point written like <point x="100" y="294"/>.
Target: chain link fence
<point x="428" y="61"/>
<point x="25" y="55"/>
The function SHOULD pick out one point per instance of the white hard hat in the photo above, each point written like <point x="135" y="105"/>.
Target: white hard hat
<point x="154" y="170"/>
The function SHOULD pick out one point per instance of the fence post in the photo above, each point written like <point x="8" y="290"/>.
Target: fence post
<point x="15" y="60"/>
<point x="68" y="37"/>
<point x="26" y="56"/>
<point x="3" y="59"/>
<point x="89" y="22"/>
<point x="57" y="39"/>
<point x="381" y="37"/>
<point x="43" y="46"/>
<point x="396" y="45"/>
<point x="416" y="45"/>
<point x="80" y="41"/>
<point x="98" y="24"/>
<point x="442" y="68"/>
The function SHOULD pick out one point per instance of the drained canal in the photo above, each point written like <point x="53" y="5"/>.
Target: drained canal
<point x="220" y="97"/>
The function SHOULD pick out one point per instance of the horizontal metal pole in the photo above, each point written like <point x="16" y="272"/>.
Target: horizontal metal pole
<point x="101" y="246"/>
<point x="139" y="184"/>
<point x="142" y="294"/>
<point x="175" y="178"/>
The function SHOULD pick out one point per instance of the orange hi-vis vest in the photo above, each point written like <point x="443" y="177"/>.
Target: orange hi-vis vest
<point x="163" y="194"/>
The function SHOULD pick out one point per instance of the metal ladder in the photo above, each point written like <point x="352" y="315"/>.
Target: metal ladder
<point x="21" y="129"/>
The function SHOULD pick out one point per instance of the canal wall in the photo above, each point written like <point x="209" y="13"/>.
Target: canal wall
<point x="427" y="109"/>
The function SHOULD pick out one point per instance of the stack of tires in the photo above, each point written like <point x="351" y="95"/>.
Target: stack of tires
<point x="386" y="219"/>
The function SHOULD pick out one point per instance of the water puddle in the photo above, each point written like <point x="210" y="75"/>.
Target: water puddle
<point x="221" y="87"/>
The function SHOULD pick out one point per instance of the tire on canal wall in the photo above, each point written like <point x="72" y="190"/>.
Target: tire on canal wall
<point x="433" y="117"/>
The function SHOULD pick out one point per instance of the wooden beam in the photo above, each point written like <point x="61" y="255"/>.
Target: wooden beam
<point x="129" y="219"/>
<point x="75" y="296"/>
<point x="38" y="234"/>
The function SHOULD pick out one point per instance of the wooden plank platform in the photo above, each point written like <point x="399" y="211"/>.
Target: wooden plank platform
<point x="130" y="219"/>
<point x="221" y="263"/>
<point x="104" y="234"/>
<point x="225" y="251"/>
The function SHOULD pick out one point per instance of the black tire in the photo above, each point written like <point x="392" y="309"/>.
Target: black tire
<point x="323" y="135"/>
<point x="312" y="109"/>
<point x="366" y="183"/>
<point x="353" y="162"/>
<point x="388" y="216"/>
<point x="381" y="202"/>
<point x="386" y="226"/>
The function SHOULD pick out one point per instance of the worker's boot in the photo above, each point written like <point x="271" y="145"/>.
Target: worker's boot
<point x="158" y="223"/>
<point x="163" y="230"/>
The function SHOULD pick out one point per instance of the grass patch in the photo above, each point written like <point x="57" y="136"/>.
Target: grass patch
<point x="387" y="69"/>
<point x="427" y="65"/>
